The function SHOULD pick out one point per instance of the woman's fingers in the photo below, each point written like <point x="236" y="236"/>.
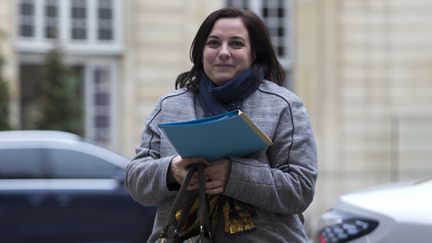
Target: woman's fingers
<point x="214" y="187"/>
<point x="211" y="187"/>
<point x="179" y="167"/>
<point x="215" y="176"/>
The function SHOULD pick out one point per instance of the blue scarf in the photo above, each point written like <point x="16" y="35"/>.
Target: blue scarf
<point x="227" y="97"/>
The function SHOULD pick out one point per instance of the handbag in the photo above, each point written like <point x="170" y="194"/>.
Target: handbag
<point x="172" y="232"/>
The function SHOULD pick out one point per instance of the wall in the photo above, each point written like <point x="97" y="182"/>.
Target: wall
<point x="7" y="51"/>
<point x="364" y="69"/>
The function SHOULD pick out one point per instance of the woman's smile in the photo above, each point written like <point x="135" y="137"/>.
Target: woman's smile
<point x="224" y="67"/>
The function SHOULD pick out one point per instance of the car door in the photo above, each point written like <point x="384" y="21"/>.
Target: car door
<point x="24" y="197"/>
<point x="90" y="202"/>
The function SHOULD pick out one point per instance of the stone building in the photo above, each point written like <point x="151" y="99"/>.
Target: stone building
<point x="363" y="68"/>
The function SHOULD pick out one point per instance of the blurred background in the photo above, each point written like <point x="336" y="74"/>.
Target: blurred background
<point x="363" y="68"/>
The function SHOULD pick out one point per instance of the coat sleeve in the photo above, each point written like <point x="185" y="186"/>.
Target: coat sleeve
<point x="286" y="183"/>
<point x="146" y="174"/>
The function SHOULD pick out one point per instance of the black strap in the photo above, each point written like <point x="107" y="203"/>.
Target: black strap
<point x="203" y="209"/>
<point x="185" y="197"/>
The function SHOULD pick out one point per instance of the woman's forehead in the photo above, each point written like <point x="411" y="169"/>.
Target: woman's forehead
<point x="229" y="27"/>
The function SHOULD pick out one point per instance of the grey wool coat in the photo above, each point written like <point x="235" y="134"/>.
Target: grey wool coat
<point x="278" y="181"/>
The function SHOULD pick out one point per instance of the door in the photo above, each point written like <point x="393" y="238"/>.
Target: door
<point x="24" y="195"/>
<point x="90" y="202"/>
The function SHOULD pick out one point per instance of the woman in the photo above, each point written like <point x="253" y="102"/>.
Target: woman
<point x="259" y="198"/>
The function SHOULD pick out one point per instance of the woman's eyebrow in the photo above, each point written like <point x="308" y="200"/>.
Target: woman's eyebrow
<point x="213" y="36"/>
<point x="231" y="38"/>
<point x="238" y="38"/>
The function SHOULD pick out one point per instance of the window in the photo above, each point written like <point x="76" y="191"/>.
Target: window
<point x="67" y="164"/>
<point x="51" y="19"/>
<point x="244" y="4"/>
<point x="105" y="20"/>
<point x="89" y="31"/>
<point x="20" y="164"/>
<point x="26" y="18"/>
<point x="274" y="13"/>
<point x="78" y="20"/>
<point x="85" y="24"/>
<point x="101" y="99"/>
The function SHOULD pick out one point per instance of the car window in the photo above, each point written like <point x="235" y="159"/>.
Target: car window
<point x="20" y="164"/>
<point x="66" y="164"/>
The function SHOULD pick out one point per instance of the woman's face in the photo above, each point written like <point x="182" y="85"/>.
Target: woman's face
<point x="227" y="51"/>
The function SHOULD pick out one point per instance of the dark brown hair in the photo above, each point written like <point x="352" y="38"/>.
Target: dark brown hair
<point x="260" y="40"/>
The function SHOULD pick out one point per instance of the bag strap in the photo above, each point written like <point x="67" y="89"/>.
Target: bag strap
<point x="185" y="196"/>
<point x="204" y="216"/>
<point x="182" y="195"/>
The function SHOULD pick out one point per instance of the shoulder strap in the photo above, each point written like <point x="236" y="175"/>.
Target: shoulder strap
<point x="183" y="197"/>
<point x="203" y="209"/>
<point x="180" y="198"/>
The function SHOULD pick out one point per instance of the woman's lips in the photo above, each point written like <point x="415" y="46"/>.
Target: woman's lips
<point x="223" y="67"/>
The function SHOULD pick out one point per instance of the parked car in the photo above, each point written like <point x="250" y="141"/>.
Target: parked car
<point x="55" y="187"/>
<point x="389" y="214"/>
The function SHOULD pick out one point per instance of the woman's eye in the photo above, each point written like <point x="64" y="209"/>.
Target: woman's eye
<point x="213" y="43"/>
<point x="237" y="44"/>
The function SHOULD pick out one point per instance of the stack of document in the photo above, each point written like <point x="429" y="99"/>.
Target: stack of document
<point x="216" y="137"/>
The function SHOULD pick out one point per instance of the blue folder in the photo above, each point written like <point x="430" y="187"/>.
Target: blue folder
<point x="216" y="137"/>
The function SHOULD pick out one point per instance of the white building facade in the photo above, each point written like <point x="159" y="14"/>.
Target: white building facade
<point x="363" y="68"/>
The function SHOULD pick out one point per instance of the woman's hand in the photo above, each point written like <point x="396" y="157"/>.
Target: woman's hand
<point x="216" y="176"/>
<point x="179" y="168"/>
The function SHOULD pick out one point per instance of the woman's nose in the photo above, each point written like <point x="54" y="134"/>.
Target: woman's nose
<point x="224" y="51"/>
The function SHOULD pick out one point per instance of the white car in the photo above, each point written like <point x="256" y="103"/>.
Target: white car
<point x="391" y="214"/>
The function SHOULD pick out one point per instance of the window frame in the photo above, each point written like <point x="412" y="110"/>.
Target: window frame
<point x="39" y="43"/>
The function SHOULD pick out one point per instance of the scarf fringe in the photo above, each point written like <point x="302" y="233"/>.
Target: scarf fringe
<point x="237" y="216"/>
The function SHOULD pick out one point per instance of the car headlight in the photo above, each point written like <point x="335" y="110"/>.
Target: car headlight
<point x="340" y="226"/>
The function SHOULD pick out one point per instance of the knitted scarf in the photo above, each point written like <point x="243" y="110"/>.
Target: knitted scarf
<point x="227" y="97"/>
